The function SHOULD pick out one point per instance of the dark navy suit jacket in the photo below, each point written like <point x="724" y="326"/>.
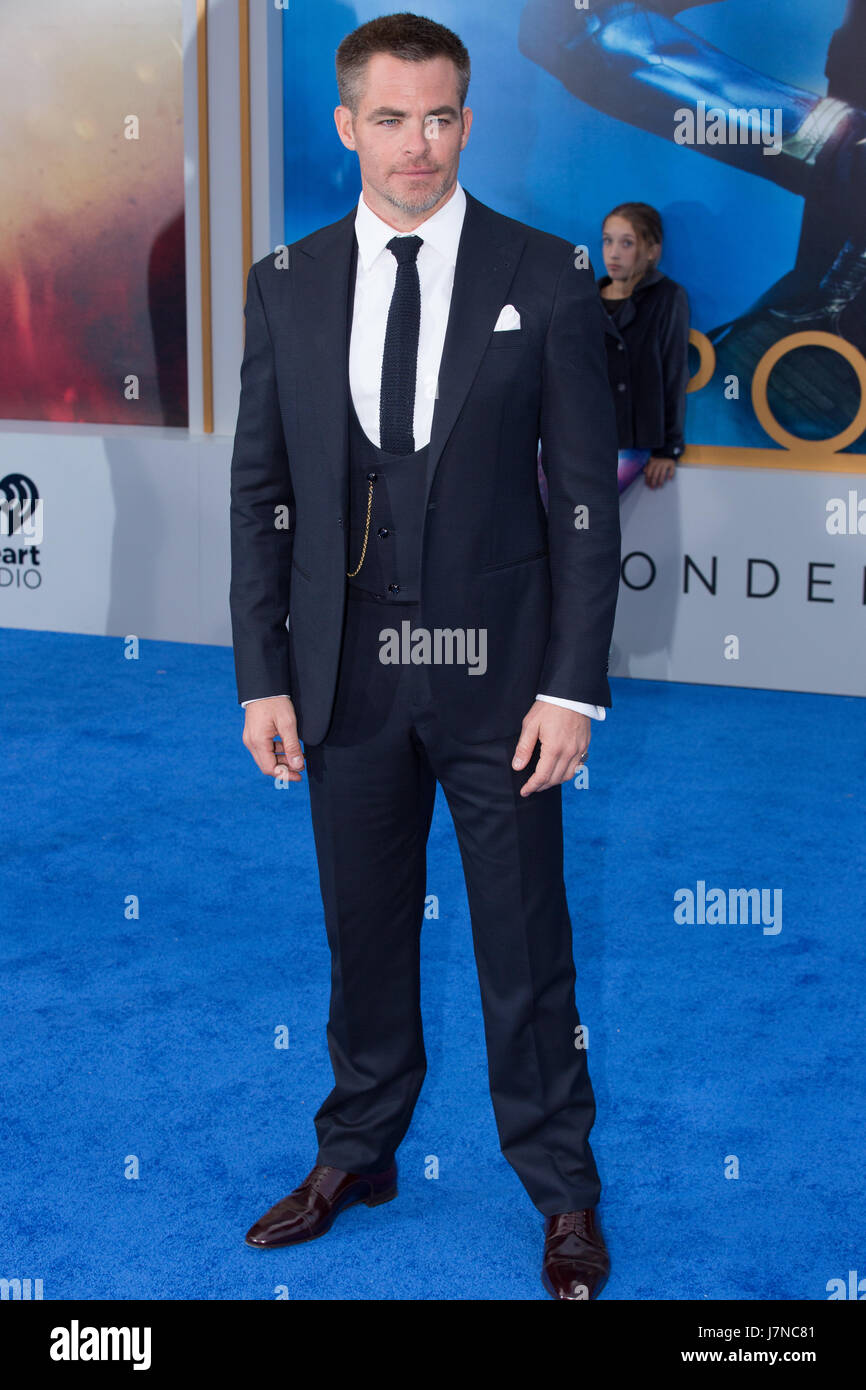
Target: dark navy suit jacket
<point x="543" y="587"/>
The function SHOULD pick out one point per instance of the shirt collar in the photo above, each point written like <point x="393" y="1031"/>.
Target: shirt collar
<point x="442" y="230"/>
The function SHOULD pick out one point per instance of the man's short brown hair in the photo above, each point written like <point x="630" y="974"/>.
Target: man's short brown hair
<point x="408" y="36"/>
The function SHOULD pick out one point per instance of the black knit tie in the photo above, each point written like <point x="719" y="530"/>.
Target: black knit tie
<point x="400" y="358"/>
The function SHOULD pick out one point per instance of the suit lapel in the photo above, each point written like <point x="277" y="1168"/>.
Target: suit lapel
<point x="487" y="258"/>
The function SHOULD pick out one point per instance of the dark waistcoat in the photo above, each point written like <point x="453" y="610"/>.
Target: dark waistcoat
<point x="395" y="484"/>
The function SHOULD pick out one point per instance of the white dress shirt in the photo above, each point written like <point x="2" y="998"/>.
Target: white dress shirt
<point x="374" y="287"/>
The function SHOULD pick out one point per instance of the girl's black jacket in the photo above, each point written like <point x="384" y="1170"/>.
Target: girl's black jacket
<point x="648" y="365"/>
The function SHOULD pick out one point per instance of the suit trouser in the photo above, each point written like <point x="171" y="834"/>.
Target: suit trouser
<point x="372" y="787"/>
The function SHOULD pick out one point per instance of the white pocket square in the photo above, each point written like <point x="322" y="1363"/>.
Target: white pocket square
<point x="508" y="319"/>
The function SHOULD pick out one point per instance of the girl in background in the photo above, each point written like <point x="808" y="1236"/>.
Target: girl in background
<point x="647" y="347"/>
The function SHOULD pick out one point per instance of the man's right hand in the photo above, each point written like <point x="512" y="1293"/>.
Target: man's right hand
<point x="271" y="719"/>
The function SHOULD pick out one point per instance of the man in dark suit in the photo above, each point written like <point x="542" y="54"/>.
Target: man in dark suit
<point x="400" y="367"/>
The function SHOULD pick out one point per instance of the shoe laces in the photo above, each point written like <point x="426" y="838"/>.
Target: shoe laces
<point x="577" y="1221"/>
<point x="320" y="1174"/>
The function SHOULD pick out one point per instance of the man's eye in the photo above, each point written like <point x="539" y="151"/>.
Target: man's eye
<point x="390" y="120"/>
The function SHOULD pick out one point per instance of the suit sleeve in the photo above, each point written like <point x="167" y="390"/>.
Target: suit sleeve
<point x="675" y="371"/>
<point x="579" y="448"/>
<point x="262" y="517"/>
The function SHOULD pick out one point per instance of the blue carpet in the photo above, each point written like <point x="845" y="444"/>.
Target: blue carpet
<point x="151" y="1040"/>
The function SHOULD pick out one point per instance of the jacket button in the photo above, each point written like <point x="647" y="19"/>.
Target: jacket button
<point x="371" y="477"/>
<point x="621" y="386"/>
<point x="383" y="532"/>
<point x="620" y="347"/>
<point x="393" y="588"/>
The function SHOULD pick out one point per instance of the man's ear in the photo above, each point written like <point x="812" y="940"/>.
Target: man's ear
<point x="467" y="126"/>
<point x="345" y="126"/>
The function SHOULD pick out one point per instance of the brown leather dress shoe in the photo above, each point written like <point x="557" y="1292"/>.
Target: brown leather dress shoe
<point x="312" y="1208"/>
<point x="576" y="1263"/>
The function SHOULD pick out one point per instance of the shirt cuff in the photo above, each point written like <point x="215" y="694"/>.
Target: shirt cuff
<point x="594" y="711"/>
<point x="244" y="703"/>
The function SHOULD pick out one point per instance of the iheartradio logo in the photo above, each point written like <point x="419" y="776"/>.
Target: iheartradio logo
<point x="20" y="509"/>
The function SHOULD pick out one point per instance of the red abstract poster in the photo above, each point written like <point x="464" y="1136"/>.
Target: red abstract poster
<point x="92" y="287"/>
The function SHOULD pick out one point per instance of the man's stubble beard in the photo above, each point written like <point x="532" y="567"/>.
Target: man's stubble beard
<point x="424" y="204"/>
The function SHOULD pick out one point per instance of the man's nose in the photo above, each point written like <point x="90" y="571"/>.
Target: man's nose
<point x="418" y="137"/>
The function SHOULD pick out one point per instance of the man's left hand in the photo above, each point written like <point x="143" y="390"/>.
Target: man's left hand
<point x="564" y="735"/>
